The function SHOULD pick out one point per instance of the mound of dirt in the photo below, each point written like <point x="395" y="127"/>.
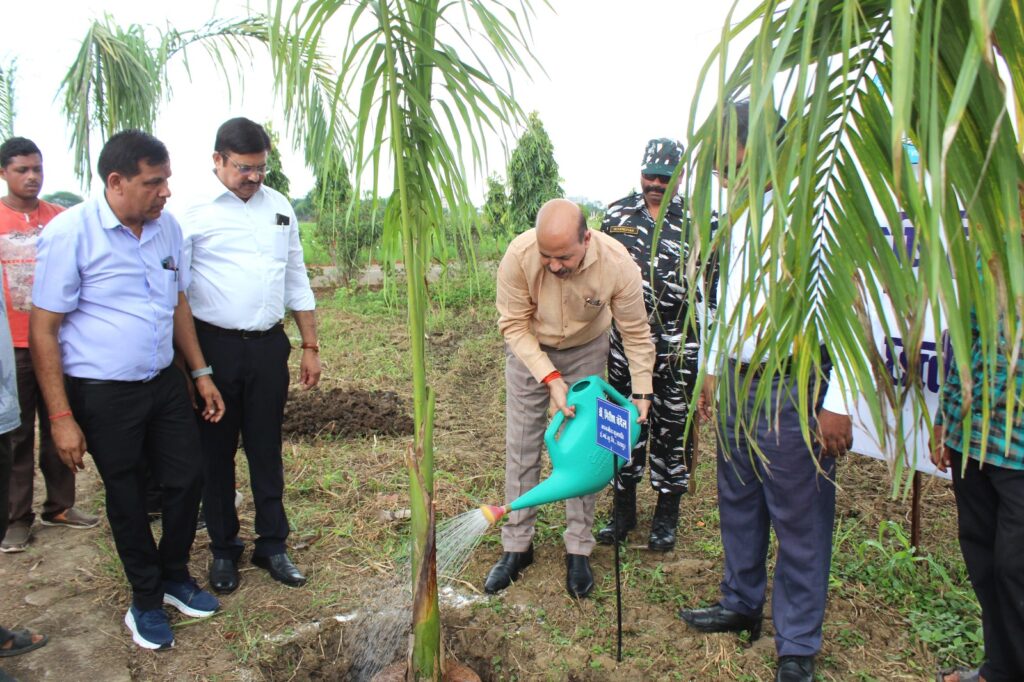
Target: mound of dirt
<point x="346" y="413"/>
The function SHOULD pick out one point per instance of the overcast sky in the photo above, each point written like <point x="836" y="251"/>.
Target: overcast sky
<point x="617" y="75"/>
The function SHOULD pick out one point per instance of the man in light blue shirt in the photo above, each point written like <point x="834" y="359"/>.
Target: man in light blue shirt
<point x="107" y="302"/>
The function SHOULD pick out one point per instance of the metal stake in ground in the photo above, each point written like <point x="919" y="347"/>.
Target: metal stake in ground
<point x="615" y="433"/>
<point x="618" y="583"/>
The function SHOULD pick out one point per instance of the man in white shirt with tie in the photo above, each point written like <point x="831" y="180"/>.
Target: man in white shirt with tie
<point x="246" y="268"/>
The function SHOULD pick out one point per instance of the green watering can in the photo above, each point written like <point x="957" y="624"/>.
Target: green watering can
<point x="579" y="465"/>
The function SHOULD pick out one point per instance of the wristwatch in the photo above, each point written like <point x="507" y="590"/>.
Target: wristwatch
<point x="642" y="396"/>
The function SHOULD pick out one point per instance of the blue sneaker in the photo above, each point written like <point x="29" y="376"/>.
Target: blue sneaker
<point x="190" y="599"/>
<point x="150" y="628"/>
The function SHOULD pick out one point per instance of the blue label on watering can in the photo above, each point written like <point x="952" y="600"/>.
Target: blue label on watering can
<point x="613" y="428"/>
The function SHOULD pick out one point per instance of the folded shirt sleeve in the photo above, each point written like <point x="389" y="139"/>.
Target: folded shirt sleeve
<point x="57" y="281"/>
<point x="298" y="294"/>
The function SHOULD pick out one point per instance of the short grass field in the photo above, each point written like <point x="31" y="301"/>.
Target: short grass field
<point x="895" y="613"/>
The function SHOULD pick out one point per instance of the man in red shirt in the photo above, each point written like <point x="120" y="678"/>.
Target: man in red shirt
<point x="22" y="217"/>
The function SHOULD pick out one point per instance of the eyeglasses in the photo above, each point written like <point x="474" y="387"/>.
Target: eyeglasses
<point x="246" y="169"/>
<point x="652" y="177"/>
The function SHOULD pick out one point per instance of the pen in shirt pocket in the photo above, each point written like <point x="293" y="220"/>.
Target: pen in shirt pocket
<point x="596" y="302"/>
<point x="168" y="264"/>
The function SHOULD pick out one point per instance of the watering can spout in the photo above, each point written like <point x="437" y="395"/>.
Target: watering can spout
<point x="579" y="465"/>
<point x="492" y="513"/>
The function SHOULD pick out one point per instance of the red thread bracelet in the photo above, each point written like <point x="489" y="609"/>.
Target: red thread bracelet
<point x="60" y="415"/>
<point x="551" y="377"/>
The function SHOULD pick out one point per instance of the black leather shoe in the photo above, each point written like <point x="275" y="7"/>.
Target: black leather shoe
<point x="281" y="569"/>
<point x="795" y="669"/>
<point x="224" y="576"/>
<point x="507" y="569"/>
<point x="579" y="579"/>
<point x="717" y="618"/>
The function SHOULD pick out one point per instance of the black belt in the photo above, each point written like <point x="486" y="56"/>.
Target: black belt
<point x="114" y="382"/>
<point x="787" y="365"/>
<point x="757" y="369"/>
<point x="239" y="333"/>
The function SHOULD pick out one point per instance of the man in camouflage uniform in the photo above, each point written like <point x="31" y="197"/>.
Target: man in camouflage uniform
<point x="631" y="221"/>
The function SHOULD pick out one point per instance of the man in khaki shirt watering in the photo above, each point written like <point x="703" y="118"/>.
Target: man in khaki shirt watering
<point x="560" y="285"/>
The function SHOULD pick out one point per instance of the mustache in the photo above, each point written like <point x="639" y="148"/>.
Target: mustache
<point x="652" y="189"/>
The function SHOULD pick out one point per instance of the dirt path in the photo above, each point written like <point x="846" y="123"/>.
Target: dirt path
<point x="54" y="587"/>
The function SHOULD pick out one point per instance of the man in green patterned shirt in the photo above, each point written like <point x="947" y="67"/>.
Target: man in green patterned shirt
<point x="989" y="490"/>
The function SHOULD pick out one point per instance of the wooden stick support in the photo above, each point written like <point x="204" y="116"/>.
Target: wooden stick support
<point x="915" y="511"/>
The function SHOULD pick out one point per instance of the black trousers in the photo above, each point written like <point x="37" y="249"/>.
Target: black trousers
<point x="990" y="509"/>
<point x="132" y="428"/>
<point x="671" y="456"/>
<point x="252" y="375"/>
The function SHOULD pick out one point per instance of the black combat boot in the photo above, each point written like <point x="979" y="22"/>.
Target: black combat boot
<point x="623" y="516"/>
<point x="663" y="526"/>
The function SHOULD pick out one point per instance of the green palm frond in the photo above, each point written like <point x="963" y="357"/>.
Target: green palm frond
<point x="227" y="43"/>
<point x="842" y="169"/>
<point x="7" y="99"/>
<point x="423" y="101"/>
<point x="115" y="82"/>
<point x="119" y="78"/>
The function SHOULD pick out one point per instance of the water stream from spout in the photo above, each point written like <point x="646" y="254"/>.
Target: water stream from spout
<point x="381" y="629"/>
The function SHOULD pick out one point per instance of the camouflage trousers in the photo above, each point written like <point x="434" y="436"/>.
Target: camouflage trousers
<point x="670" y="457"/>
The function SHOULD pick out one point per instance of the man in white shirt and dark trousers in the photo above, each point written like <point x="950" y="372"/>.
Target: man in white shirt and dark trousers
<point x="246" y="269"/>
<point x="790" y="489"/>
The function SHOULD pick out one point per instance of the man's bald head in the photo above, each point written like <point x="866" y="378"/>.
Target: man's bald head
<point x="562" y="236"/>
<point x="560" y="218"/>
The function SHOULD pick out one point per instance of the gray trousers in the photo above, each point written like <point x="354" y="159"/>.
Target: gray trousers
<point x="788" y="494"/>
<point x="526" y="420"/>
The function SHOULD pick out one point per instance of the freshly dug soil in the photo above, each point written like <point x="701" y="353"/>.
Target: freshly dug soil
<point x="345" y="413"/>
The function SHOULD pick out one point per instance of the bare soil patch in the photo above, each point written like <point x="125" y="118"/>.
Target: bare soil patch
<point x="346" y="413"/>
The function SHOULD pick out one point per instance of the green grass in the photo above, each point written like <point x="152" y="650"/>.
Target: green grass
<point x="485" y="247"/>
<point x="933" y="593"/>
<point x="313" y="251"/>
<point x="457" y="290"/>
